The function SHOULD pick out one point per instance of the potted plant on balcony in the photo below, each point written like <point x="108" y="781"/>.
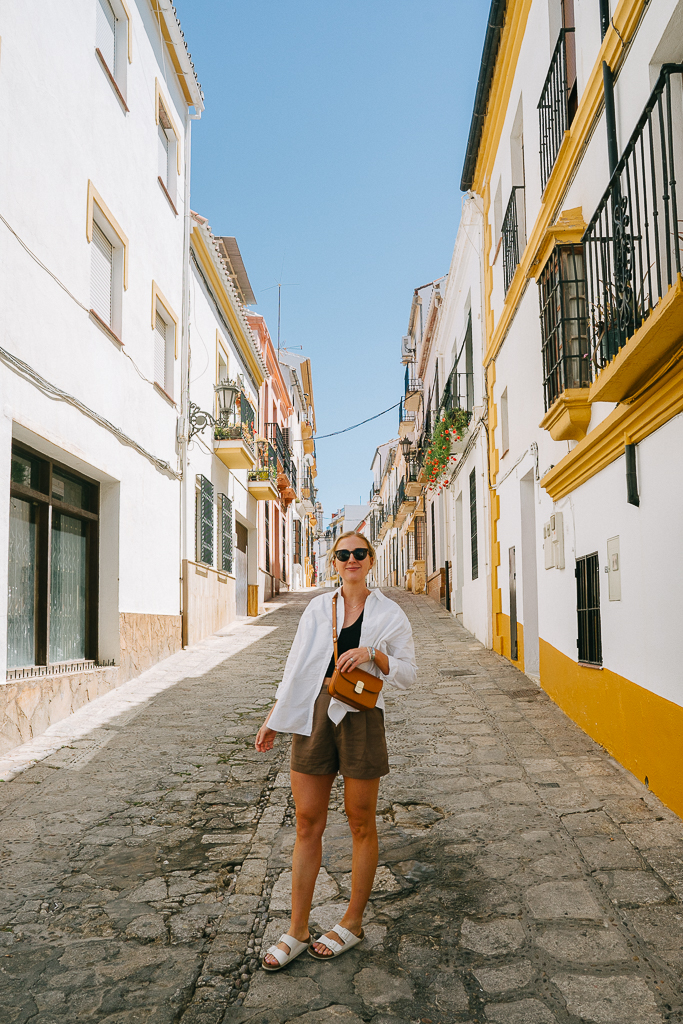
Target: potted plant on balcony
<point x="440" y="454"/>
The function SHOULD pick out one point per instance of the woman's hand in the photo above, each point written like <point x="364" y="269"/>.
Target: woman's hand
<point x="354" y="658"/>
<point x="265" y="738"/>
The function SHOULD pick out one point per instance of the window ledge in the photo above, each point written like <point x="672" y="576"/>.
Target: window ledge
<point x="164" y="394"/>
<point x="112" y="80"/>
<point x="568" y="418"/>
<point x="96" y="318"/>
<point x="590" y="664"/>
<point x="167" y="194"/>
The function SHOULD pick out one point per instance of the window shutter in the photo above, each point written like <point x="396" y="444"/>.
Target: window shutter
<point x="105" y="33"/>
<point x="160" y="352"/>
<point x="226" y="532"/>
<point x="102" y="261"/>
<point x="205" y="521"/>
<point x="163" y="154"/>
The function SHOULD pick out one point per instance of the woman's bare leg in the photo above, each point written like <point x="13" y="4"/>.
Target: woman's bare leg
<point x="360" y="802"/>
<point x="311" y="797"/>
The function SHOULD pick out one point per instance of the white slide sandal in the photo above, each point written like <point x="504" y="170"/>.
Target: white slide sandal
<point x="349" y="940"/>
<point x="296" y="948"/>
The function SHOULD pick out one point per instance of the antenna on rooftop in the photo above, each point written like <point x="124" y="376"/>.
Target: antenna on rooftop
<point x="280" y="285"/>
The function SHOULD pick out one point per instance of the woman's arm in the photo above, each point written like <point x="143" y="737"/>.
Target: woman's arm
<point x="358" y="656"/>
<point x="265" y="737"/>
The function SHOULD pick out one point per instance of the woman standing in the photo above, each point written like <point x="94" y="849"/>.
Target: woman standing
<point x="331" y="737"/>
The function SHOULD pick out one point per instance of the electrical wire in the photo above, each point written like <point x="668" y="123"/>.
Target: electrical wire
<point x="346" y="429"/>
<point x="31" y="375"/>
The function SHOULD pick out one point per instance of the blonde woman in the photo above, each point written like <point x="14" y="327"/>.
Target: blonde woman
<point x="330" y="737"/>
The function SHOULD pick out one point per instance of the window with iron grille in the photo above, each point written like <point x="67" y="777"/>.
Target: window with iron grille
<point x="297" y="542"/>
<point x="473" y="525"/>
<point x="589" y="641"/>
<point x="283" y="557"/>
<point x="433" y="523"/>
<point x="512" y="234"/>
<point x="420" y="538"/>
<point x="266" y="515"/>
<point x="204" y="520"/>
<point x="564" y="323"/>
<point x="225" y="533"/>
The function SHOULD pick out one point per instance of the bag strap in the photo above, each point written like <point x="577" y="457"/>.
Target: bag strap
<point x="334" y="628"/>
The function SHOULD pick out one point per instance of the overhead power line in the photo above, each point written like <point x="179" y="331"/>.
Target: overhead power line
<point x="334" y="433"/>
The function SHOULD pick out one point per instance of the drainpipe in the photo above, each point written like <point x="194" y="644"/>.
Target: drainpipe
<point x="183" y="419"/>
<point x="604" y="17"/>
<point x="610" y="117"/>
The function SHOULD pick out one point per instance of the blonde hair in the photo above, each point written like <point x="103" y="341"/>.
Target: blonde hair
<point x="352" y="533"/>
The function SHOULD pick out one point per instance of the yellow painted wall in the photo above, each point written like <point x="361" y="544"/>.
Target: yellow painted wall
<point x="504" y="639"/>
<point x="640" y="729"/>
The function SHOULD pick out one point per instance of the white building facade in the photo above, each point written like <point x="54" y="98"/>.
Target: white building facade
<point x="92" y="247"/>
<point x="576" y="152"/>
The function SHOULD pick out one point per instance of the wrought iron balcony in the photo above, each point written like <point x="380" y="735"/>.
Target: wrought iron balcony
<point x="413" y="389"/>
<point x="238" y="424"/>
<point x="406" y="420"/>
<point x="513" y="234"/>
<point x="632" y="244"/>
<point x="458" y="392"/>
<point x="554" y="116"/>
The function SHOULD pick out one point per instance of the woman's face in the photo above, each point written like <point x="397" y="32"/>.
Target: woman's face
<point x="353" y="570"/>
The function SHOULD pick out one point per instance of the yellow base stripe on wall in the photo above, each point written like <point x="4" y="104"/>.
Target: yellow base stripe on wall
<point x="640" y="729"/>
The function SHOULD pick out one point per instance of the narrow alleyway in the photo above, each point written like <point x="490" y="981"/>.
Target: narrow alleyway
<point x="525" y="878"/>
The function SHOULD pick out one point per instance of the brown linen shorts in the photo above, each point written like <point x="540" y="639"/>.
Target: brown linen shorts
<point x="356" y="748"/>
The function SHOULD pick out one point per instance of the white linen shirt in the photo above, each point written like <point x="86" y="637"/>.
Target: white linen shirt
<point x="385" y="627"/>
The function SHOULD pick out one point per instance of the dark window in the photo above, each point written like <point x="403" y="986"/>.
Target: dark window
<point x="589" y="642"/>
<point x="473" y="525"/>
<point x="283" y="556"/>
<point x="53" y="538"/>
<point x="420" y="538"/>
<point x="266" y="514"/>
<point x="512" y="233"/>
<point x="204" y="520"/>
<point x="225" y="533"/>
<point x="433" y="540"/>
<point x="564" y="323"/>
<point x="297" y="542"/>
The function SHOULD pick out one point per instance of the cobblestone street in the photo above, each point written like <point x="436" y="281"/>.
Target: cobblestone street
<point x="525" y="877"/>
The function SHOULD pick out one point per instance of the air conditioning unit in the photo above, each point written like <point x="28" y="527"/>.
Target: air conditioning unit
<point x="407" y="348"/>
<point x="553" y="542"/>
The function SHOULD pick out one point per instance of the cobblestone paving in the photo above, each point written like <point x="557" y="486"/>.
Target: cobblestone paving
<point x="525" y="878"/>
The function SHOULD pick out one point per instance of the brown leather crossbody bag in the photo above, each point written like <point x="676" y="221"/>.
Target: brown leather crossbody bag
<point x="356" y="688"/>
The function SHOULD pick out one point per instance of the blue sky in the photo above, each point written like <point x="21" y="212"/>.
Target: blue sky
<point x="331" y="147"/>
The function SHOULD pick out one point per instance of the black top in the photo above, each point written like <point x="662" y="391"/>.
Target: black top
<point x="348" y="638"/>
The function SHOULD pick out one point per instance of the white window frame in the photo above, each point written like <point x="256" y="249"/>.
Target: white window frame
<point x="166" y="124"/>
<point x="123" y="47"/>
<point x="162" y="308"/>
<point x="99" y="213"/>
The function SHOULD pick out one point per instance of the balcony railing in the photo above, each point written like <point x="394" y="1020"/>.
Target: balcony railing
<point x="458" y="392"/>
<point x="413" y="383"/>
<point x="553" y="108"/>
<point x="513" y="232"/>
<point x="239" y="424"/>
<point x="632" y="244"/>
<point x="276" y="438"/>
<point x="404" y="417"/>
<point x="266" y="464"/>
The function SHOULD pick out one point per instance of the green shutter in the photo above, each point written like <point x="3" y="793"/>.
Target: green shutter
<point x="226" y="532"/>
<point x="205" y="521"/>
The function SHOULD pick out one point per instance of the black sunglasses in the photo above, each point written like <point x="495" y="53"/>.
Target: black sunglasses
<point x="343" y="554"/>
